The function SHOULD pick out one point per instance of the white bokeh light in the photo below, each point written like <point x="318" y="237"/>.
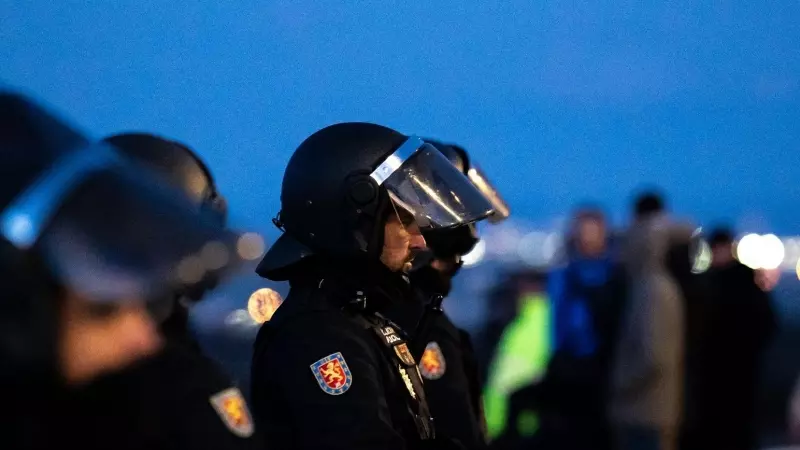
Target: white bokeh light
<point x="761" y="252"/>
<point x="476" y="255"/>
<point x="239" y="318"/>
<point x="530" y="248"/>
<point x="771" y="252"/>
<point x="748" y="249"/>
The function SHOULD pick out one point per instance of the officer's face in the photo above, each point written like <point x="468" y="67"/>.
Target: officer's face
<point x="401" y="240"/>
<point x="97" y="339"/>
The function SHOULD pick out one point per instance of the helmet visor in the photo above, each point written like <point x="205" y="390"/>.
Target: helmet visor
<point x="420" y="179"/>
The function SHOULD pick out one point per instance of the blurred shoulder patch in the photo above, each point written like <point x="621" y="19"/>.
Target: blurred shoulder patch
<point x="232" y="409"/>
<point x="432" y="364"/>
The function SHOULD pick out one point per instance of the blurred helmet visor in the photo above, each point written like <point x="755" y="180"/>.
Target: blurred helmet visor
<point x="111" y="232"/>
<point x="501" y="209"/>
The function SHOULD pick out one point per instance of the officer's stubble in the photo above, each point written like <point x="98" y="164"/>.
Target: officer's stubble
<point x="402" y="240"/>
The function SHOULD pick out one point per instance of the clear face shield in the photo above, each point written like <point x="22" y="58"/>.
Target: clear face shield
<point x="423" y="182"/>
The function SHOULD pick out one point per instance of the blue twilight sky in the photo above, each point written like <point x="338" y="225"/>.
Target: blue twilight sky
<point x="560" y="101"/>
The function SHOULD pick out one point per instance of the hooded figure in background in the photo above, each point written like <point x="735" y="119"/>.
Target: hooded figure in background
<point x="732" y="332"/>
<point x="647" y="379"/>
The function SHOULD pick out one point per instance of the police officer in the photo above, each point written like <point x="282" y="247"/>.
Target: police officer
<point x="180" y="397"/>
<point x="448" y="362"/>
<point x="329" y="370"/>
<point x="86" y="240"/>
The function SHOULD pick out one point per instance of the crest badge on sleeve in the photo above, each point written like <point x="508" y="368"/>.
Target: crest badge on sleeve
<point x="232" y="408"/>
<point x="432" y="364"/>
<point x="332" y="374"/>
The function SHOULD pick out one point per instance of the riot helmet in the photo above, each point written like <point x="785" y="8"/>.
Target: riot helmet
<point x="340" y="183"/>
<point x="76" y="216"/>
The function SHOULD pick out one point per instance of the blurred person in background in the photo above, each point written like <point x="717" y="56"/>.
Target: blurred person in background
<point x="587" y="295"/>
<point x="738" y="325"/>
<point x="520" y="360"/>
<point x="502" y="306"/>
<point x="179" y="393"/>
<point x="682" y="265"/>
<point x="793" y="414"/>
<point x="86" y="241"/>
<point x="647" y="379"/>
<point x="329" y="369"/>
<point x="446" y="357"/>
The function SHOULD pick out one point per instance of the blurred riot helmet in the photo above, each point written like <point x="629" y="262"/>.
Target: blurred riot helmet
<point x="78" y="221"/>
<point x="178" y="164"/>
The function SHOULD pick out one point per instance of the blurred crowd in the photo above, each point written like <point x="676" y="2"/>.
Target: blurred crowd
<point x="630" y="342"/>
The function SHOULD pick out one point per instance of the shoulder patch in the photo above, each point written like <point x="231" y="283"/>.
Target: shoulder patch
<point x="232" y="408"/>
<point x="432" y="364"/>
<point x="332" y="374"/>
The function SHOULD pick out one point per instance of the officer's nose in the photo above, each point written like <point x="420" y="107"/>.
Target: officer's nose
<point x="417" y="242"/>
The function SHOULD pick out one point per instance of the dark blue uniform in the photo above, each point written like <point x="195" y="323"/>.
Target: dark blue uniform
<point x="330" y="372"/>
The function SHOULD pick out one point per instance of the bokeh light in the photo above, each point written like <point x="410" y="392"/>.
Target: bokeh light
<point x="761" y="251"/>
<point x="263" y="303"/>
<point x="747" y="250"/>
<point x="250" y="246"/>
<point x="772" y="252"/>
<point x="475" y="256"/>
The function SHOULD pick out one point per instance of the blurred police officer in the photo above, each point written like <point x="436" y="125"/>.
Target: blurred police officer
<point x="447" y="360"/>
<point x="86" y="240"/>
<point x="328" y="369"/>
<point x="180" y="397"/>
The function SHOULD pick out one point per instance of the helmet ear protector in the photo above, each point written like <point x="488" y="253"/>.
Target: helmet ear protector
<point x="365" y="209"/>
